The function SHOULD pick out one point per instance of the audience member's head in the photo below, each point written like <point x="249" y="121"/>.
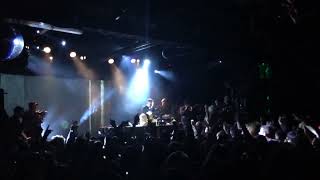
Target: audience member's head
<point x="33" y="106"/>
<point x="253" y="128"/>
<point x="178" y="166"/>
<point x="18" y="111"/>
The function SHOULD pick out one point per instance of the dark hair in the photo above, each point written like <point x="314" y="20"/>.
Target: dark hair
<point x="18" y="109"/>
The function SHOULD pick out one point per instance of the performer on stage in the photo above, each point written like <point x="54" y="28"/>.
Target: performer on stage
<point x="164" y="112"/>
<point x="149" y="106"/>
<point x="147" y="113"/>
<point x="164" y="107"/>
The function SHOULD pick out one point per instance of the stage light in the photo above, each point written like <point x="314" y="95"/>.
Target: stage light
<point x="138" y="60"/>
<point x="38" y="31"/>
<point x="51" y="58"/>
<point x="63" y="43"/>
<point x="47" y="50"/>
<point x="84" y="57"/>
<point x="81" y="58"/>
<point x="73" y="54"/>
<point x="18" y="42"/>
<point x="133" y="61"/>
<point x="139" y="87"/>
<point x="220" y="62"/>
<point x="111" y="61"/>
<point x="27" y="47"/>
<point x="147" y="62"/>
<point x="169" y="75"/>
<point x="38" y="47"/>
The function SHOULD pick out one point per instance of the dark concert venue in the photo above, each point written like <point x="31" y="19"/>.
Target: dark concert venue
<point x="158" y="89"/>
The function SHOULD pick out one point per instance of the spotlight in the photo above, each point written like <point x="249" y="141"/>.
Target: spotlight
<point x="220" y="62"/>
<point x="51" y="58"/>
<point x="38" y="31"/>
<point x="27" y="47"/>
<point x="111" y="61"/>
<point x="84" y="57"/>
<point x="147" y="62"/>
<point x="73" y="54"/>
<point x="18" y="42"/>
<point x="47" y="50"/>
<point x="156" y="71"/>
<point x="63" y="43"/>
<point x="133" y="61"/>
<point x="138" y="60"/>
<point x="38" y="47"/>
<point x="81" y="58"/>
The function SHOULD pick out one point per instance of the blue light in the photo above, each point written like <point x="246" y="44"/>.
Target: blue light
<point x="63" y="43"/>
<point x="17" y="47"/>
<point x="139" y="87"/>
<point x="96" y="104"/>
<point x="147" y="62"/>
<point x="169" y="75"/>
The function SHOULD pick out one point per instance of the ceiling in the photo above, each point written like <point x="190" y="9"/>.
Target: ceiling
<point x="170" y="32"/>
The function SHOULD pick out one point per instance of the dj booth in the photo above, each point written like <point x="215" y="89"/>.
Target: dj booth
<point x="155" y="131"/>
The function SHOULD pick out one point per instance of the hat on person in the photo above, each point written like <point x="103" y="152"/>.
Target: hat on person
<point x="2" y="91"/>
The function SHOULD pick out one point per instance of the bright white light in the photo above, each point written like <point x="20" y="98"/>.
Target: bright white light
<point x="47" y="50"/>
<point x="18" y="42"/>
<point x="73" y="54"/>
<point x="133" y="61"/>
<point x="220" y="62"/>
<point x="111" y="61"/>
<point x="38" y="31"/>
<point x="84" y="57"/>
<point x="138" y="60"/>
<point x="147" y="62"/>
<point x="169" y="75"/>
<point x="81" y="58"/>
<point x="38" y="47"/>
<point x="51" y="58"/>
<point x="139" y="88"/>
<point x="63" y="43"/>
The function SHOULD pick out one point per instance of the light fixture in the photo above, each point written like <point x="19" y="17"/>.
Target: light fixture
<point x="73" y="54"/>
<point x="147" y="62"/>
<point x="51" y="58"/>
<point x="133" y="61"/>
<point x="38" y="31"/>
<point x="84" y="57"/>
<point x="47" y="50"/>
<point x="38" y="47"/>
<point x="63" y="43"/>
<point x="111" y="61"/>
<point x="138" y="60"/>
<point x="81" y="58"/>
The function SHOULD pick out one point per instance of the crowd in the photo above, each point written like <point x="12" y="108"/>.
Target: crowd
<point x="205" y="142"/>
